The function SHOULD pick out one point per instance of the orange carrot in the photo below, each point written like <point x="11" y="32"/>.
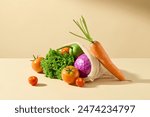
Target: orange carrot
<point x="98" y="51"/>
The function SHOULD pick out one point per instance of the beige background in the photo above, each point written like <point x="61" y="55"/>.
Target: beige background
<point x="33" y="26"/>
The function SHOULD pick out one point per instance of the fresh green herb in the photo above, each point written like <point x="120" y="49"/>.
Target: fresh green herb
<point x="54" y="63"/>
<point x="83" y="27"/>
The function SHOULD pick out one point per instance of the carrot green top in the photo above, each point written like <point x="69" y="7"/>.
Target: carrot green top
<point x="83" y="27"/>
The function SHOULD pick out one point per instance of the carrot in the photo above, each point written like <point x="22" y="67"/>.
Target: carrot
<point x="98" y="51"/>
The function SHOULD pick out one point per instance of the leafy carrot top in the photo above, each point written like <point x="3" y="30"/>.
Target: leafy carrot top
<point x="83" y="27"/>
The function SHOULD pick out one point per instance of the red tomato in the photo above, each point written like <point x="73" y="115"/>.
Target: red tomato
<point x="80" y="82"/>
<point x="36" y="64"/>
<point x="64" y="50"/>
<point x="69" y="74"/>
<point x="33" y="80"/>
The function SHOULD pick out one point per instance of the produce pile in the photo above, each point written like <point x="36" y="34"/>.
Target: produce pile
<point x="73" y="64"/>
<point x="68" y="61"/>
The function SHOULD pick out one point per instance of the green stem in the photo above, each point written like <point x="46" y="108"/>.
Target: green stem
<point x="78" y="35"/>
<point x="85" y="24"/>
<point x="34" y="57"/>
<point x="80" y="27"/>
<point x="84" y="29"/>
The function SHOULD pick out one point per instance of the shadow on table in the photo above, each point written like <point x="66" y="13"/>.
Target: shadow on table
<point x="41" y="85"/>
<point x="134" y="77"/>
<point x="111" y="80"/>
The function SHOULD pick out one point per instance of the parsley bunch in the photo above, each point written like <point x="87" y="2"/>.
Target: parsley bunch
<point x="54" y="63"/>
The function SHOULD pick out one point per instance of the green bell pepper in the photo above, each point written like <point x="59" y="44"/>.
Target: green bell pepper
<point x="75" y="50"/>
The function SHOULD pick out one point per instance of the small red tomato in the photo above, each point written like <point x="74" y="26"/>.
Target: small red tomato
<point x="36" y="64"/>
<point x="33" y="80"/>
<point x="64" y="50"/>
<point x="80" y="82"/>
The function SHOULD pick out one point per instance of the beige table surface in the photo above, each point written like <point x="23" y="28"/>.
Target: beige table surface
<point x="15" y="72"/>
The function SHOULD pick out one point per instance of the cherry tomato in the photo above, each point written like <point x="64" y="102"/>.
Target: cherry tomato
<point x="36" y="64"/>
<point x="80" y="82"/>
<point x="69" y="74"/>
<point x="64" y="50"/>
<point x="33" y="80"/>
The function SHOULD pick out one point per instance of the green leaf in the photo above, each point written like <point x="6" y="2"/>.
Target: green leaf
<point x="55" y="62"/>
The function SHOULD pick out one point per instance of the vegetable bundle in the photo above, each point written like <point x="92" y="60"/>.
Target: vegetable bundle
<point x="76" y="63"/>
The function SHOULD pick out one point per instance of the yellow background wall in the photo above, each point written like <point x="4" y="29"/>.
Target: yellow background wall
<point x="33" y="26"/>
